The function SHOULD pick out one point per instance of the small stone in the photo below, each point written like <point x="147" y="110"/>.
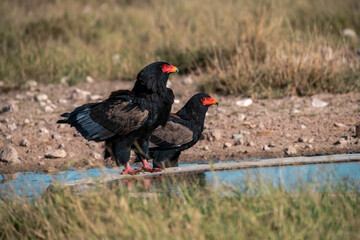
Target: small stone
<point x="261" y="125"/>
<point x="56" y="136"/>
<point x="302" y="139"/>
<point x="241" y="117"/>
<point x="244" y="103"/>
<point x="43" y="131"/>
<point x="302" y="126"/>
<point x="42" y="104"/>
<point x="239" y="142"/>
<point x="348" y="32"/>
<point x="216" y="134"/>
<point x="12" y="126"/>
<point x="294" y="111"/>
<point x="96" y="155"/>
<point x="79" y="94"/>
<point x="319" y="103"/>
<point x="26" y="121"/>
<point x="266" y="148"/>
<point x="89" y="79"/>
<point x="8" y="137"/>
<point x="290" y="150"/>
<point x="227" y="145"/>
<point x="176" y="101"/>
<point x="41" y="97"/>
<point x="237" y="135"/>
<point x="341" y="141"/>
<point x="308" y="146"/>
<point x="24" y="143"/>
<point x="92" y="144"/>
<point x="41" y="163"/>
<point x="311" y="140"/>
<point x="206" y="148"/>
<point x="271" y="145"/>
<point x="187" y="81"/>
<point x="62" y="101"/>
<point x="245" y="132"/>
<point x="95" y="97"/>
<point x="48" y="109"/>
<point x="9" y="155"/>
<point x="61" y="145"/>
<point x="339" y="125"/>
<point x="250" y="143"/>
<point x="58" y="153"/>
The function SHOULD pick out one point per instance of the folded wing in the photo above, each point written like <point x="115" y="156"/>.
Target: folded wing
<point x="172" y="135"/>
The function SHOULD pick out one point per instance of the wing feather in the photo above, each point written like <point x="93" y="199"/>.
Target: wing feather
<point x="172" y="135"/>
<point x="119" y="116"/>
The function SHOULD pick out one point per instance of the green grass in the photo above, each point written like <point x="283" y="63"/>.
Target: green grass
<point x="267" y="48"/>
<point x="259" y="211"/>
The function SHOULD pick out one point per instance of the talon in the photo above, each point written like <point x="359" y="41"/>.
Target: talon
<point x="147" y="168"/>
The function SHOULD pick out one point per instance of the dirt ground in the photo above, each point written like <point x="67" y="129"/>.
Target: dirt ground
<point x="265" y="128"/>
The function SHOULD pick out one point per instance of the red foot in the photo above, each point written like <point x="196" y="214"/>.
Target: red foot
<point x="147" y="168"/>
<point x="129" y="170"/>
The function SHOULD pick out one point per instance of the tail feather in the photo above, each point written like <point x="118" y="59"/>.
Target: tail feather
<point x="65" y="115"/>
<point x="62" y="121"/>
<point x="81" y="120"/>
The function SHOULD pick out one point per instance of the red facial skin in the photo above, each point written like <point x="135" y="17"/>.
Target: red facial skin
<point x="169" y="68"/>
<point x="208" y="101"/>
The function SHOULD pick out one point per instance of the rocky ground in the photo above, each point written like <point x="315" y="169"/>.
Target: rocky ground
<point x="238" y="129"/>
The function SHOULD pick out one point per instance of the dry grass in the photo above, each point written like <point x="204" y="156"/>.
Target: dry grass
<point x="259" y="211"/>
<point x="268" y="48"/>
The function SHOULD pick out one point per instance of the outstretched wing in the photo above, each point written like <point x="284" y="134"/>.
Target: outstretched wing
<point x="119" y="116"/>
<point x="172" y="135"/>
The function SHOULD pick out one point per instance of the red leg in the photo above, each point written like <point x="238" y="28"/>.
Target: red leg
<point x="147" y="168"/>
<point x="129" y="170"/>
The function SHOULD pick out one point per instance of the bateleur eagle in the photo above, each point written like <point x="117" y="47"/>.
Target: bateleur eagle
<point x="182" y="131"/>
<point x="128" y="118"/>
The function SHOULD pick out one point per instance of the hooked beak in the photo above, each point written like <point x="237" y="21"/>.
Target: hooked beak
<point x="175" y="69"/>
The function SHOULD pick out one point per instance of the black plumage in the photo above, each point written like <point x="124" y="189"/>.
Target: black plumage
<point x="181" y="132"/>
<point x="127" y="117"/>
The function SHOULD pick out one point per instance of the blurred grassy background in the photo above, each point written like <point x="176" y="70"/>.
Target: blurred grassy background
<point x="269" y="48"/>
